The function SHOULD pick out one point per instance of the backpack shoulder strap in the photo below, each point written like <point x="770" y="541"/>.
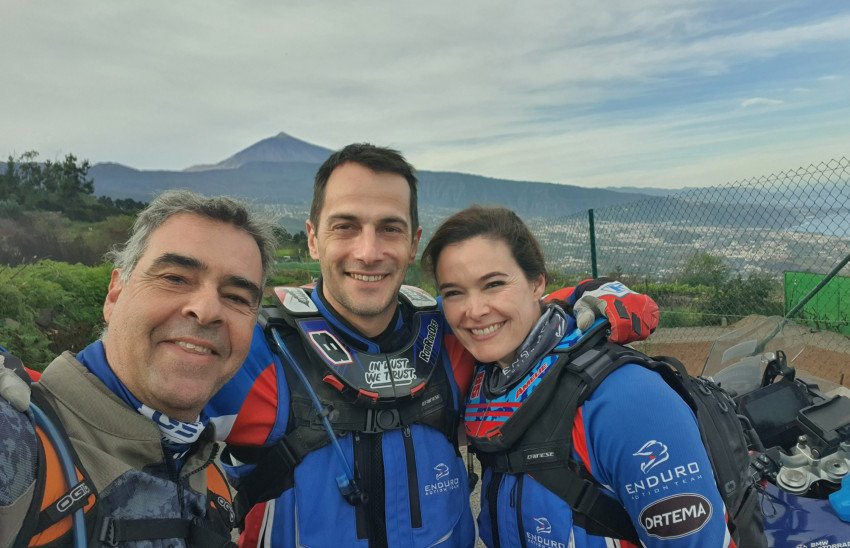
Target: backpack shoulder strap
<point x="593" y="510"/>
<point x="545" y="452"/>
<point x="596" y="512"/>
<point x="54" y="501"/>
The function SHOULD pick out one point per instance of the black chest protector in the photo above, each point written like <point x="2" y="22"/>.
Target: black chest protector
<point x="359" y="391"/>
<point x="363" y="378"/>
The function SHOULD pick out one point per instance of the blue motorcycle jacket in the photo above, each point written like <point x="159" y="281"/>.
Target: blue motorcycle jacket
<point x="413" y="475"/>
<point x="634" y="435"/>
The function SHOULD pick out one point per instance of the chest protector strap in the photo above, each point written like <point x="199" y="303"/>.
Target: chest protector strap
<point x="539" y="444"/>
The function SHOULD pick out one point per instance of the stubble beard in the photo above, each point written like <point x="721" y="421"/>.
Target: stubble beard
<point x="364" y="310"/>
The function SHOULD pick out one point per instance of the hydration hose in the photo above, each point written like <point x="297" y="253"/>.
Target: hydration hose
<point x="348" y="487"/>
<point x="67" y="467"/>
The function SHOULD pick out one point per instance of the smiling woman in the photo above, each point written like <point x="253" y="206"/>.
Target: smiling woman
<point x="491" y="275"/>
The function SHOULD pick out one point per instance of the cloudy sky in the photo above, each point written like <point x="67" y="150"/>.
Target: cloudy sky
<point x="661" y="93"/>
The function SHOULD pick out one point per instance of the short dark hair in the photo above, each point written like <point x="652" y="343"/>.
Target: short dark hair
<point x="496" y="223"/>
<point x="379" y="160"/>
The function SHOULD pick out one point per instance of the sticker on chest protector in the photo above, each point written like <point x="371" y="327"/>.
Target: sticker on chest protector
<point x="390" y="375"/>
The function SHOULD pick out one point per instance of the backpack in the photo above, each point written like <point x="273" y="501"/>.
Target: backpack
<point x="53" y="518"/>
<point x="533" y="442"/>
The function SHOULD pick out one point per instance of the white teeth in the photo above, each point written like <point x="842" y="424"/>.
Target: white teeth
<point x="486" y="330"/>
<point x="194" y="347"/>
<point x="364" y="278"/>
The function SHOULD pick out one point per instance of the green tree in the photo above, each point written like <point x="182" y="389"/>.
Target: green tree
<point x="49" y="307"/>
<point x="704" y="269"/>
<point x="739" y="297"/>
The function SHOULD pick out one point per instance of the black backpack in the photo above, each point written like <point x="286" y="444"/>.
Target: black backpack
<point x="540" y="443"/>
<point x="53" y="523"/>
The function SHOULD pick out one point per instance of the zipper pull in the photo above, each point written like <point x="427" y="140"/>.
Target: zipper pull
<point x="405" y="431"/>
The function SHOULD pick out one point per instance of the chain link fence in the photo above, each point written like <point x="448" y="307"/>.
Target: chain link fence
<point x="713" y="257"/>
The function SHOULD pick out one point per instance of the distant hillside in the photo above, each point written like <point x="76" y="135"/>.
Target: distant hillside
<point x="292" y="183"/>
<point x="270" y="182"/>
<point x="280" y="170"/>
<point x="645" y="190"/>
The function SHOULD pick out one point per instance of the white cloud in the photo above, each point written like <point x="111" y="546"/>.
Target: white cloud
<point x="542" y="90"/>
<point x="761" y="101"/>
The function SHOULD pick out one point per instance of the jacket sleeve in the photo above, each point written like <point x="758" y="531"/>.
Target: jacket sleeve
<point x="253" y="407"/>
<point x="643" y="443"/>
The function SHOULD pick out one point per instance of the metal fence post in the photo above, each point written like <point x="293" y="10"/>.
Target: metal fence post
<point x="592" y="228"/>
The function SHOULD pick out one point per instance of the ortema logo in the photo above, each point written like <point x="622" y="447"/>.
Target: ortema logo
<point x="652" y="485"/>
<point x="65" y="503"/>
<point x="442" y="470"/>
<point x="442" y="485"/>
<point x="676" y="516"/>
<point x="399" y="373"/>
<point x="655" y="453"/>
<point x="428" y="343"/>
<point x="527" y="384"/>
<point x="543" y="525"/>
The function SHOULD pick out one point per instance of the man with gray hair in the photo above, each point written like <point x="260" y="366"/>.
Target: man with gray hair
<point x="125" y="415"/>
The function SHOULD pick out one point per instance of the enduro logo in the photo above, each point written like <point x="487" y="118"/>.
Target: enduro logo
<point x="442" y="470"/>
<point x="677" y="516"/>
<point x="397" y="372"/>
<point x="655" y="452"/>
<point x="327" y="344"/>
<point x="442" y="485"/>
<point x="537" y="538"/>
<point x="654" y="484"/>
<point x="543" y="525"/>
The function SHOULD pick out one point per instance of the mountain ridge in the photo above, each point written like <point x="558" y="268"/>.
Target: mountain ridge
<point x="280" y="170"/>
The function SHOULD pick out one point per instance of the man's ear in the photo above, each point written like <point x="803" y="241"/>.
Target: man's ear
<point x="414" y="246"/>
<point x="312" y="244"/>
<point x="116" y="285"/>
